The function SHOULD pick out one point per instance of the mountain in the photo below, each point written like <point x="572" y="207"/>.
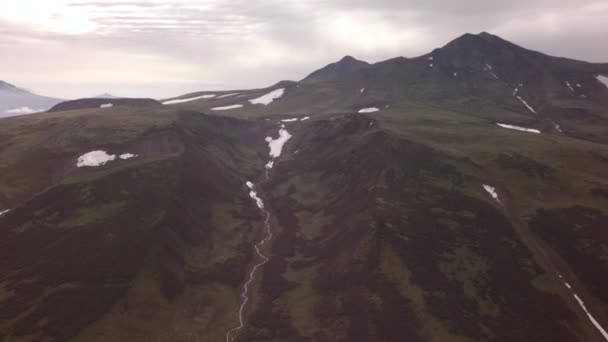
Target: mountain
<point x="17" y="101"/>
<point x="346" y="65"/>
<point x="91" y="103"/>
<point x="455" y="196"/>
<point x="106" y="96"/>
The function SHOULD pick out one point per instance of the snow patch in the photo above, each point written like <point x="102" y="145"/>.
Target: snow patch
<point x="227" y="95"/>
<point x="368" y="110"/>
<point x="455" y="74"/>
<point x="362" y="90"/>
<point x="430" y="58"/>
<point x="228" y="107"/>
<point x="603" y="79"/>
<point x="208" y="96"/>
<point x="270" y="164"/>
<point x="290" y="120"/>
<point x="95" y="158"/>
<point x="268" y="98"/>
<point x="305" y="118"/>
<point x="591" y="318"/>
<point x="22" y="110"/>
<point x="578" y="85"/>
<point x="106" y="105"/>
<point x="517" y="128"/>
<point x="557" y="127"/>
<point x="276" y="145"/>
<point x="4" y="212"/>
<point x="253" y="194"/>
<point x="431" y="65"/>
<point x="126" y="156"/>
<point x="492" y="191"/>
<point x="569" y="86"/>
<point x="522" y="100"/>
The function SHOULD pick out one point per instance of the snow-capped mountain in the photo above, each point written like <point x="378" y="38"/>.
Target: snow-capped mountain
<point x="18" y="101"/>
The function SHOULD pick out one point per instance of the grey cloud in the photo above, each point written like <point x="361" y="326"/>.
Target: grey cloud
<point x="245" y="43"/>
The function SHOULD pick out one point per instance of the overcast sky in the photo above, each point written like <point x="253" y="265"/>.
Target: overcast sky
<point x="77" y="48"/>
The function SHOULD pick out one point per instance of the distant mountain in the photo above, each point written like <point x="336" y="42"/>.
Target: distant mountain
<point x="87" y="103"/>
<point x="106" y="96"/>
<point x="18" y="101"/>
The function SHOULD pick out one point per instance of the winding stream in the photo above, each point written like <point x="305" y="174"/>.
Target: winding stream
<point x="276" y="147"/>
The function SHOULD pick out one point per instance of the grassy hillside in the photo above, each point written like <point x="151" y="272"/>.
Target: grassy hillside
<point x="382" y="228"/>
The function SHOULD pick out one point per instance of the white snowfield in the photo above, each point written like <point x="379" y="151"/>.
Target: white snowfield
<point x="268" y="98"/>
<point x="276" y="145"/>
<point x="517" y="128"/>
<point x="106" y="105"/>
<point x="22" y="110"/>
<point x="603" y="79"/>
<point x="228" y="107"/>
<point x="170" y="102"/>
<point x="99" y="157"/>
<point x="4" y="212"/>
<point x="95" y="158"/>
<point x="368" y="110"/>
<point x="227" y="95"/>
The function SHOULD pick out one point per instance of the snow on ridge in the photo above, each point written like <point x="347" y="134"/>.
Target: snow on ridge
<point x="106" y="105"/>
<point x="290" y="120"/>
<point x="23" y="110"/>
<point x="603" y="79"/>
<point x="368" y="110"/>
<point x="268" y="98"/>
<point x="518" y="128"/>
<point x="228" y="107"/>
<point x="276" y="145"/>
<point x="227" y="95"/>
<point x="176" y="101"/>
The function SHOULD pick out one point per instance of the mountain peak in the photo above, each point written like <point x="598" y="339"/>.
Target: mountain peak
<point x="345" y="65"/>
<point x="348" y="59"/>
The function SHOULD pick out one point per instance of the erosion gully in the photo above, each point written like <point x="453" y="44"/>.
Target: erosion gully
<point x="276" y="146"/>
<point x="537" y="247"/>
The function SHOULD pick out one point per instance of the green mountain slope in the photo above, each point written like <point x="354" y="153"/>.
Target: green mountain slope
<point x="382" y="229"/>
